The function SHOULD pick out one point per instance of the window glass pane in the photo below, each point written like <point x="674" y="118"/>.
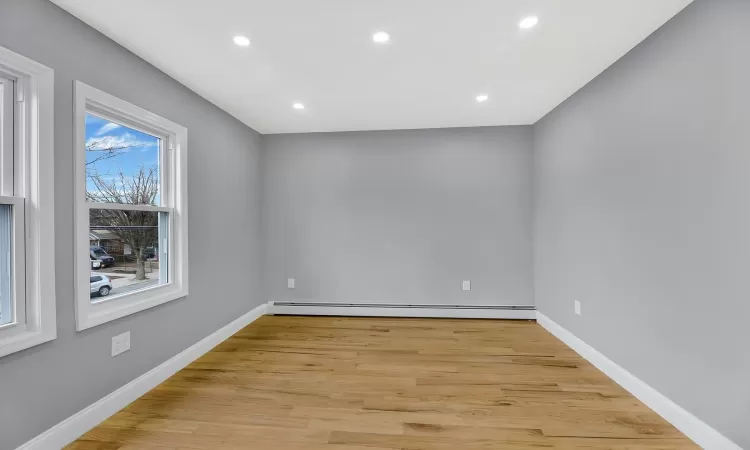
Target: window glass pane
<point x="124" y="249"/>
<point x="122" y="164"/>
<point x="6" y="270"/>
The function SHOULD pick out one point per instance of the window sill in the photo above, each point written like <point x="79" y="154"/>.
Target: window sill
<point x="24" y="340"/>
<point x="108" y="310"/>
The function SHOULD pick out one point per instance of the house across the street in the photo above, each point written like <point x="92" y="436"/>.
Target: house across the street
<point x="110" y="242"/>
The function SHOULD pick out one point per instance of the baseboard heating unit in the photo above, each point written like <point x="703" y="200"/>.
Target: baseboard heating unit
<point x="403" y="310"/>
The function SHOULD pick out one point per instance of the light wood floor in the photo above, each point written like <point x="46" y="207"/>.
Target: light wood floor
<point x="322" y="383"/>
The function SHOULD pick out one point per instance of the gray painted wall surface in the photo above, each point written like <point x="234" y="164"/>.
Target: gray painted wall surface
<point x="54" y="380"/>
<point x="642" y="184"/>
<point x="399" y="216"/>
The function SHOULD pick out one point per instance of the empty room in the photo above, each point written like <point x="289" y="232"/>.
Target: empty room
<point x="374" y="224"/>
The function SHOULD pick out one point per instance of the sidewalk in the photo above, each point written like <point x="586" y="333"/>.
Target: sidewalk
<point x="121" y="280"/>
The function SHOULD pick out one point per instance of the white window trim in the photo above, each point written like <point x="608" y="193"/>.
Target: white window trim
<point x="90" y="314"/>
<point x="35" y="128"/>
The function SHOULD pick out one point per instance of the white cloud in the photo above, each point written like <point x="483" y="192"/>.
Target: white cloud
<point x="109" y="126"/>
<point x="124" y="142"/>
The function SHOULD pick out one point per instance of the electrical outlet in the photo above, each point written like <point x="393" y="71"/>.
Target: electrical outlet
<point x="290" y="283"/>
<point x="120" y="343"/>
<point x="577" y="307"/>
<point x="466" y="285"/>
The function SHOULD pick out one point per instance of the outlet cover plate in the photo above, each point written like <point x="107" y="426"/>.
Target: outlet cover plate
<point x="120" y="343"/>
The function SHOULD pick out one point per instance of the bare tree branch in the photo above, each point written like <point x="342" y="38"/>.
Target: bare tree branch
<point x="109" y="148"/>
<point x="138" y="229"/>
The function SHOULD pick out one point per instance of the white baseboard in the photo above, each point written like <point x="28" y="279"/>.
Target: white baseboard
<point x="76" y="425"/>
<point x="695" y="429"/>
<point x="374" y="310"/>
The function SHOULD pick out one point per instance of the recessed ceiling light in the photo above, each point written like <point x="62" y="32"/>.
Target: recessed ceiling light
<point x="298" y="106"/>
<point x="482" y="98"/>
<point x="381" y="37"/>
<point x="242" y="41"/>
<point x="528" y="22"/>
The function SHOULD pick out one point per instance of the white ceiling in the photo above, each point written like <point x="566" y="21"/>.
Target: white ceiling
<point x="442" y="54"/>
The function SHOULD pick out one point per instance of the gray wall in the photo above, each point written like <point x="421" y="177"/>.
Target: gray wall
<point x="399" y="216"/>
<point x="45" y="384"/>
<point x="642" y="184"/>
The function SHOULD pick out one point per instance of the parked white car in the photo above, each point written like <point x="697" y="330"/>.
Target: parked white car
<point x="100" y="284"/>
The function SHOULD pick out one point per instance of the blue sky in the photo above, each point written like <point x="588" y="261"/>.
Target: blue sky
<point x="100" y="133"/>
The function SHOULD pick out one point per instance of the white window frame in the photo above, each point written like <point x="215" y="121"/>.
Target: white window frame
<point x="33" y="205"/>
<point x="173" y="164"/>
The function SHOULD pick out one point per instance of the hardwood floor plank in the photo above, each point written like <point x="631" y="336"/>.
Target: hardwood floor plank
<point x="338" y="383"/>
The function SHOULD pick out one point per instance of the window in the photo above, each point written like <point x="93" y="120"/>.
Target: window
<point x="131" y="208"/>
<point x="27" y="250"/>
